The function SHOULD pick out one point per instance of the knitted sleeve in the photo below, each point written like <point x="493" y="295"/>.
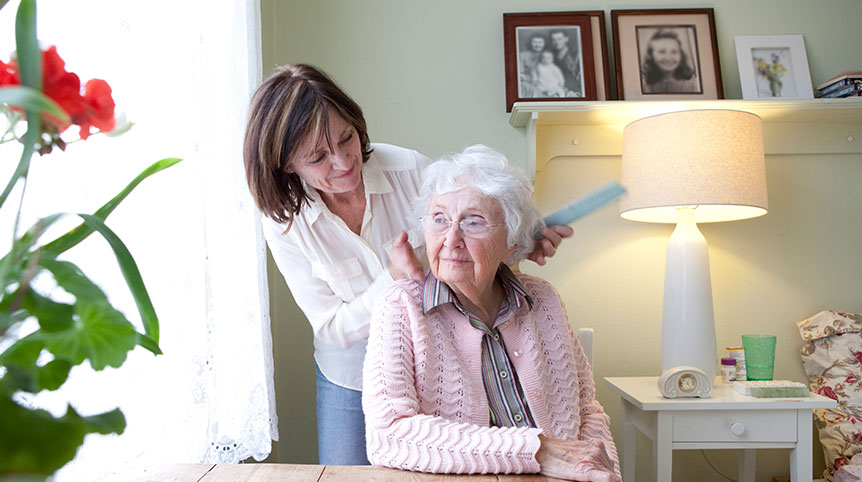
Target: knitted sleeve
<point x="398" y="435"/>
<point x="568" y="366"/>
<point x="595" y="423"/>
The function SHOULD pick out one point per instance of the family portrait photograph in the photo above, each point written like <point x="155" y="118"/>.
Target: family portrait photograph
<point x="550" y="63"/>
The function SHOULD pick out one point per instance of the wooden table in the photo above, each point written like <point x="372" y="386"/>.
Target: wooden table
<point x="307" y="473"/>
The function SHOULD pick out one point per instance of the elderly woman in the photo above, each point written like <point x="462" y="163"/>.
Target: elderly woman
<point x="336" y="213"/>
<point x="475" y="369"/>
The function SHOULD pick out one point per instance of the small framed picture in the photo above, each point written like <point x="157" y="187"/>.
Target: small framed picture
<point x="552" y="56"/>
<point x="666" y="54"/>
<point x="773" y="67"/>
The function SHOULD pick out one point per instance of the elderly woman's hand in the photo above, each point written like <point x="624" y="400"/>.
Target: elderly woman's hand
<point x="583" y="461"/>
<point x="547" y="246"/>
<point x="403" y="262"/>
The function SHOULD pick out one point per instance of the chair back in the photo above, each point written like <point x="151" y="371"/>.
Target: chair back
<point x="585" y="337"/>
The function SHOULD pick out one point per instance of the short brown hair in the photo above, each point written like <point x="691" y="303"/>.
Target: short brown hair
<point x="289" y="105"/>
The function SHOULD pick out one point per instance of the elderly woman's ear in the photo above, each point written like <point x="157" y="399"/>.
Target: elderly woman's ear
<point x="403" y="262"/>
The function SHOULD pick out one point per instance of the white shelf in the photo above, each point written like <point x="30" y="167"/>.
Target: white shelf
<point x="809" y="126"/>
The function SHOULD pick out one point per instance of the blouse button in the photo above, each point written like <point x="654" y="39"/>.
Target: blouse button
<point x="517" y="353"/>
<point x="518" y="417"/>
<point x="504" y="374"/>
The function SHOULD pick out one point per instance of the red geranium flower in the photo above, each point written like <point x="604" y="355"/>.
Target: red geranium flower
<point x="8" y="74"/>
<point x="92" y="109"/>
<point x="99" y="108"/>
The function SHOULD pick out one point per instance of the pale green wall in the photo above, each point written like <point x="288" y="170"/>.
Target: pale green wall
<point x="429" y="75"/>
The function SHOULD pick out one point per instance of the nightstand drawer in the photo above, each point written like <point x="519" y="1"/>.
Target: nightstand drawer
<point x="735" y="426"/>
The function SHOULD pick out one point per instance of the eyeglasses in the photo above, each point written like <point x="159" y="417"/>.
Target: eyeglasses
<point x="471" y="227"/>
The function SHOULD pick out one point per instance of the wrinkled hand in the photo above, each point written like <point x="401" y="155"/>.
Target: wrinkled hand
<point x="547" y="246"/>
<point x="583" y="461"/>
<point x="403" y="262"/>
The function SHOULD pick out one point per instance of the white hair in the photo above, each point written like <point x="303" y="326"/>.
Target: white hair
<point x="490" y="173"/>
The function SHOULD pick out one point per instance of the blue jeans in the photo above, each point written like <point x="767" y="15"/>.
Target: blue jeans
<point x="340" y="424"/>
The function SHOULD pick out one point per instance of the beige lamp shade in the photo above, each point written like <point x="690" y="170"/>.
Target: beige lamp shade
<point x="711" y="159"/>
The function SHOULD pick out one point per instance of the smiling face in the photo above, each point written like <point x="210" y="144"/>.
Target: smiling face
<point x="559" y="40"/>
<point x="467" y="265"/>
<point x="330" y="169"/>
<point x="537" y="44"/>
<point x="667" y="53"/>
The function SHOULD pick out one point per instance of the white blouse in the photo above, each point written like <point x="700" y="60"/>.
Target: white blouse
<point x="335" y="275"/>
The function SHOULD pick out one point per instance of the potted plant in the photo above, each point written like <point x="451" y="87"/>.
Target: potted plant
<point x="37" y="92"/>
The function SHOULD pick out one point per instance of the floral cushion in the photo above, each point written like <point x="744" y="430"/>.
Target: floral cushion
<point x="832" y="359"/>
<point x="849" y="473"/>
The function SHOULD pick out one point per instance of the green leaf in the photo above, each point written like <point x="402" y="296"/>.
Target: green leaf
<point x="53" y="374"/>
<point x="130" y="272"/>
<point x="7" y="319"/>
<point x="100" y="333"/>
<point x="19" y="265"/>
<point x="18" y="378"/>
<point x="35" y="442"/>
<point x="149" y="344"/>
<point x="32" y="100"/>
<point x="73" y="280"/>
<point x="33" y="379"/>
<point x="24" y="351"/>
<point x="52" y="316"/>
<point x="81" y="232"/>
<point x="27" y="43"/>
<point x="25" y="478"/>
<point x="30" y="71"/>
<point x="31" y="138"/>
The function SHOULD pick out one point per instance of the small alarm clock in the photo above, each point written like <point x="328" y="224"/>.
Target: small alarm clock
<point x="684" y="382"/>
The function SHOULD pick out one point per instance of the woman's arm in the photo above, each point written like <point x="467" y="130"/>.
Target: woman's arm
<point x="397" y="434"/>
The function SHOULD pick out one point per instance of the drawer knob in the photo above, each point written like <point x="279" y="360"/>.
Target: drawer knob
<point x="737" y="428"/>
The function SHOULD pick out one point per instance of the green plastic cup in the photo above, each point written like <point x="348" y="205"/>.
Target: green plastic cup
<point x="759" y="356"/>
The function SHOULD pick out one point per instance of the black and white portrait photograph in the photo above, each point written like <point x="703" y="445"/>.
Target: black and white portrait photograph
<point x="550" y="63"/>
<point x="668" y="59"/>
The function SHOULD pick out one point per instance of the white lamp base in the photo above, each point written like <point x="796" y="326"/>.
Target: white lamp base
<point x="688" y="323"/>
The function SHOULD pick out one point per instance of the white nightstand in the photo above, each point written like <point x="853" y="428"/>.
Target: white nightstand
<point x="726" y="420"/>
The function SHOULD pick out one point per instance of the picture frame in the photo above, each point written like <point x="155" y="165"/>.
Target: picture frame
<point x="576" y="42"/>
<point x="773" y="67"/>
<point x="666" y="54"/>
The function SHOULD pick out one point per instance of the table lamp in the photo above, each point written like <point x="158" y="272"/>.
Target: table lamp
<point x="689" y="167"/>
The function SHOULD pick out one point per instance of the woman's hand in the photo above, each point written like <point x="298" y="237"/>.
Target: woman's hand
<point x="583" y="461"/>
<point x="403" y="262"/>
<point x="547" y="246"/>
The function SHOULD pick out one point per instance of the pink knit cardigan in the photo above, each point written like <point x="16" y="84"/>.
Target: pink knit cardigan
<point x="425" y="406"/>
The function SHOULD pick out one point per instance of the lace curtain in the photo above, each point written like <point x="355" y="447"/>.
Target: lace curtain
<point x="183" y="72"/>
